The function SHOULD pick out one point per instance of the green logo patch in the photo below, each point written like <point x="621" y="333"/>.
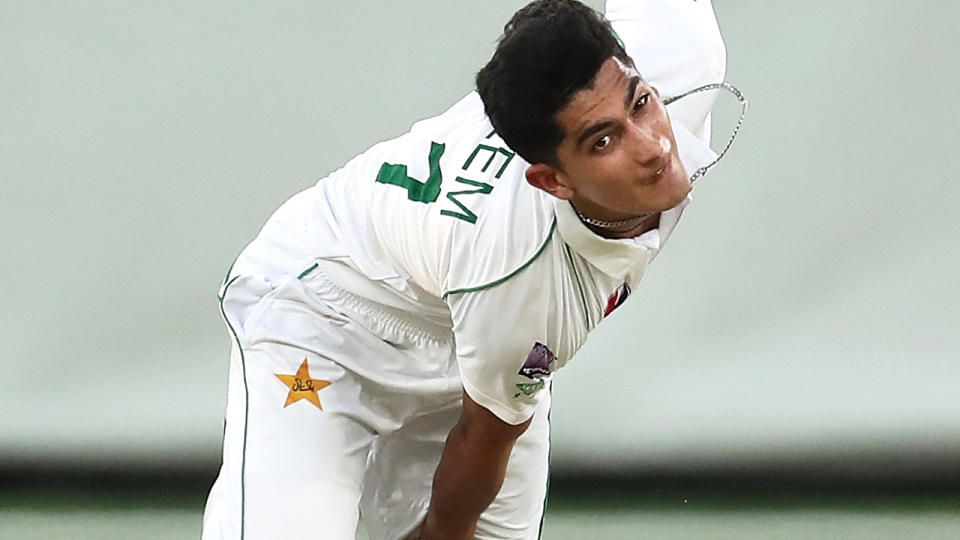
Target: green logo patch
<point x="529" y="389"/>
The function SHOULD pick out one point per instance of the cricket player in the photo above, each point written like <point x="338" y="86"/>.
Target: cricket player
<point x="396" y="326"/>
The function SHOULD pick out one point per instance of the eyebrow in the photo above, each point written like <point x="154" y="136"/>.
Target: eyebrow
<point x="631" y="89"/>
<point x="592" y="129"/>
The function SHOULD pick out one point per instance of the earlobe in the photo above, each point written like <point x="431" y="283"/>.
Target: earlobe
<point x="549" y="179"/>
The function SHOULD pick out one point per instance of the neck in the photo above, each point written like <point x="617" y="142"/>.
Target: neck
<point x="623" y="228"/>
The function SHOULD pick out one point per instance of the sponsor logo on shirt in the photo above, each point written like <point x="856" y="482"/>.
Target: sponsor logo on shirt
<point x="617" y="299"/>
<point x="538" y="362"/>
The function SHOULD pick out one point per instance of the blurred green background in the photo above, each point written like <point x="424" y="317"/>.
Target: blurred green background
<point x="800" y="335"/>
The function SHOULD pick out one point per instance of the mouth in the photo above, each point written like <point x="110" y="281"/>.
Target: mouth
<point x="664" y="168"/>
<point x="660" y="171"/>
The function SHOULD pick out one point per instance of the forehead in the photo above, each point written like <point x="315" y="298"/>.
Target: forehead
<point x="604" y="99"/>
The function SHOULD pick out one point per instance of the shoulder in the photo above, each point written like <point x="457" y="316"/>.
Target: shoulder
<point x="493" y="221"/>
<point x="500" y="222"/>
<point x="448" y="201"/>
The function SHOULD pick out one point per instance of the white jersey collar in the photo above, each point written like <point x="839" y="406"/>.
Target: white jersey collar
<point x="614" y="257"/>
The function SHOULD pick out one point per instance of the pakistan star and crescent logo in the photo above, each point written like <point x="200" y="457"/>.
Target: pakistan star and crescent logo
<point x="302" y="386"/>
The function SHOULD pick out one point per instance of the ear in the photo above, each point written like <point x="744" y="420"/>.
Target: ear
<point x="549" y="179"/>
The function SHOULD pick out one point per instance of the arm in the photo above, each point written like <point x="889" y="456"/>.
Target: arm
<point x="677" y="46"/>
<point x="502" y="333"/>
<point x="470" y="472"/>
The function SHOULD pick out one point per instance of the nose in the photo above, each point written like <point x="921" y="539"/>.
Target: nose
<point x="651" y="148"/>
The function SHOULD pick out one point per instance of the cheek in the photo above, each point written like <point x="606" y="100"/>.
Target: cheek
<point x="610" y="177"/>
<point x="607" y="179"/>
<point x="661" y="123"/>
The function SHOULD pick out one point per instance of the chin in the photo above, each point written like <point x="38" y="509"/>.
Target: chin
<point x="672" y="202"/>
<point x="675" y="191"/>
<point x="680" y="184"/>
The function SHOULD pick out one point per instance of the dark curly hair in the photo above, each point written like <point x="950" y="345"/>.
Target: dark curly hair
<point x="549" y="50"/>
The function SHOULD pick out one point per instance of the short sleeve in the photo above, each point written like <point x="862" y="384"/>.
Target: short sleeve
<point x="505" y="337"/>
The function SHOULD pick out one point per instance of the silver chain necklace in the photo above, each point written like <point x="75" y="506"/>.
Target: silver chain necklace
<point x="618" y="226"/>
<point x="623" y="225"/>
<point x="744" y="105"/>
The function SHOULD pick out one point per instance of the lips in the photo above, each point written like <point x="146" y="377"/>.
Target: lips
<point x="658" y="171"/>
<point x="664" y="167"/>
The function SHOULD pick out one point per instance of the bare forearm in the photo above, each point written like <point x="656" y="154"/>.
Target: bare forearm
<point x="470" y="472"/>
<point x="467" y="480"/>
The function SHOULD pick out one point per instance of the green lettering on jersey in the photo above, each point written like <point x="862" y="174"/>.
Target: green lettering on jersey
<point x="467" y="215"/>
<point x="425" y="192"/>
<point x="493" y="153"/>
<point x="429" y="191"/>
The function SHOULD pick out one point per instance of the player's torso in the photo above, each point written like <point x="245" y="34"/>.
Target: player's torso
<point x="443" y="208"/>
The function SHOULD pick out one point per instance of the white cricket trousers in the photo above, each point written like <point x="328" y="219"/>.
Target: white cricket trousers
<point x="311" y="445"/>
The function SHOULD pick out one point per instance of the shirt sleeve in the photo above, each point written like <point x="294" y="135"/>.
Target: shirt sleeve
<point x="677" y="46"/>
<point x="505" y="337"/>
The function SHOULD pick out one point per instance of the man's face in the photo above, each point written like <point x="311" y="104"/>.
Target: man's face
<point x="618" y="157"/>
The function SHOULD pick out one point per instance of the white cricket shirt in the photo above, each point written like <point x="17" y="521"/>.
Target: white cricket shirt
<point x="435" y="237"/>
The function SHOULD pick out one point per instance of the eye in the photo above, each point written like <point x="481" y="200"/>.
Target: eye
<point x="641" y="101"/>
<point x="602" y="143"/>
